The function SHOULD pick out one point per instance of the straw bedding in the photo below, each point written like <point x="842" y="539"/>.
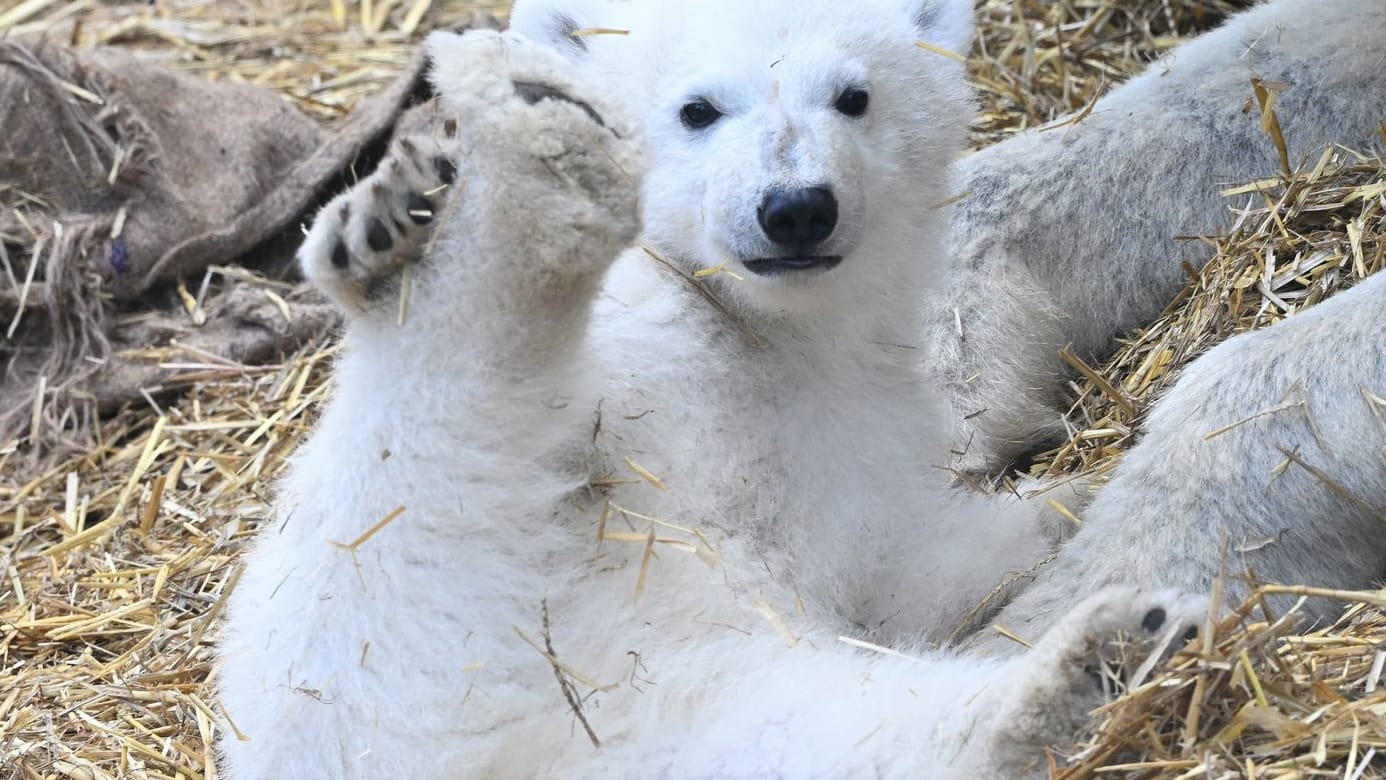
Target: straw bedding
<point x="114" y="564"/>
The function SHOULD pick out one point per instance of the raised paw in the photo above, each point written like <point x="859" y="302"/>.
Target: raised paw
<point x="546" y="138"/>
<point x="516" y="193"/>
<point x="368" y="234"/>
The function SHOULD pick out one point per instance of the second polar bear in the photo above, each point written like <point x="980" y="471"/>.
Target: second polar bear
<point x="1070" y="235"/>
<point x="570" y="517"/>
<point x="1270" y="446"/>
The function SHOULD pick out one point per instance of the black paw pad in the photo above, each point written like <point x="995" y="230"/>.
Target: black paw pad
<point x="532" y="93"/>
<point x="420" y="209"/>
<point x="1153" y="620"/>
<point x="340" y="258"/>
<point x="446" y="169"/>
<point x="378" y="236"/>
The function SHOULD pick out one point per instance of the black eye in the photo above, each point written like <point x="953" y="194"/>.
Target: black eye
<point x="853" y="102"/>
<point x="698" y="114"/>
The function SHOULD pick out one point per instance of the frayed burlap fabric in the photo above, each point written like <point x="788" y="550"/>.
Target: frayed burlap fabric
<point x="132" y="201"/>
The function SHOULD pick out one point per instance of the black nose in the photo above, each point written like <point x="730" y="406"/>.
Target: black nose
<point x="799" y="218"/>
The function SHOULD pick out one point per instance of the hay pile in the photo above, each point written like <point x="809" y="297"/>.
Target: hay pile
<point x="114" y="564"/>
<point x="1256" y="700"/>
<point x="1035" y="60"/>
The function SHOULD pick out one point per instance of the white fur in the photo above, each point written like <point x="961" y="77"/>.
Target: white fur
<point x="1071" y="236"/>
<point x="1271" y="446"/>
<point x="1068" y="237"/>
<point x="535" y="383"/>
<point x="800" y="502"/>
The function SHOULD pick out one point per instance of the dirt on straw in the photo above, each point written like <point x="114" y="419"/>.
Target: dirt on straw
<point x="114" y="564"/>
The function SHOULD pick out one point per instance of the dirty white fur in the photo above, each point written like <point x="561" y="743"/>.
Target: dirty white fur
<point x="798" y="500"/>
<point x="1272" y="446"/>
<point x="1070" y="236"/>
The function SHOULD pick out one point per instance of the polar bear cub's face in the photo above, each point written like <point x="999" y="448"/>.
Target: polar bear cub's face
<point x="798" y="143"/>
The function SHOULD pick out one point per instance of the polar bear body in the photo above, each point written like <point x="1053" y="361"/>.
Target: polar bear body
<point x="1072" y="234"/>
<point x="647" y="501"/>
<point x="650" y="496"/>
<point x="1268" y="457"/>
<point x="1075" y="234"/>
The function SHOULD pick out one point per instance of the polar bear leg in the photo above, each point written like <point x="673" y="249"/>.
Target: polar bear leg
<point x="993" y="344"/>
<point x="508" y="125"/>
<point x="449" y="411"/>
<point x="1271" y="447"/>
<point x="1106" y="644"/>
<point x="1039" y="222"/>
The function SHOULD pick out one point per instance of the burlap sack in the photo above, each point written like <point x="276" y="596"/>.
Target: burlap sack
<point x="120" y="178"/>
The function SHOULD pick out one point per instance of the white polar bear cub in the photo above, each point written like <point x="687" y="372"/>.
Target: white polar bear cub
<point x="568" y="517"/>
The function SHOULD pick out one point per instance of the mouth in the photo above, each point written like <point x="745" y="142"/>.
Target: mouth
<point x="776" y="266"/>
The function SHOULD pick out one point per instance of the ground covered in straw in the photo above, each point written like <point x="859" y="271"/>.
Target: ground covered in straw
<point x="114" y="564"/>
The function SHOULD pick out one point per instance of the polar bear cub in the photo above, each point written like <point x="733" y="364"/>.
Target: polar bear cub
<point x="1163" y="145"/>
<point x="576" y="511"/>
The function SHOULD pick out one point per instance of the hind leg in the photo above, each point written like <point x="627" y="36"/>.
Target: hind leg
<point x="1108" y="643"/>
<point x="460" y="422"/>
<point x="1269" y="447"/>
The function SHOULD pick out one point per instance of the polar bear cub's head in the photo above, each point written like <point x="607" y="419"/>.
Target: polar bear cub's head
<point x="799" y="143"/>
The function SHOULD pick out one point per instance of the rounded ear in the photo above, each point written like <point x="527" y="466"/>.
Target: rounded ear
<point x="944" y="23"/>
<point x="553" y="22"/>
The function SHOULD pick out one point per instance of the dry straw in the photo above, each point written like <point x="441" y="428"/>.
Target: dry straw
<point x="114" y="565"/>
<point x="1296" y="240"/>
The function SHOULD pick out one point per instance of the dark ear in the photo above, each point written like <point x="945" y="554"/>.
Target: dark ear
<point x="944" y="23"/>
<point x="553" y="22"/>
